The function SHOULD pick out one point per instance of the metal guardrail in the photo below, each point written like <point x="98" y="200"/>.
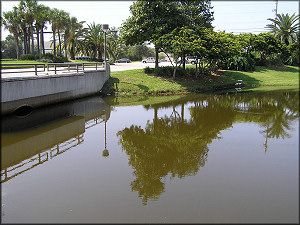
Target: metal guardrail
<point x="13" y="66"/>
<point x="57" y="67"/>
<point x="78" y="66"/>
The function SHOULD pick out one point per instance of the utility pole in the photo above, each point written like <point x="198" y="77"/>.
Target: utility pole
<point x="276" y="4"/>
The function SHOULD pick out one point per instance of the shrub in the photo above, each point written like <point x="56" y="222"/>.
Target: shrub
<point x="164" y="71"/>
<point x="60" y="59"/>
<point x="27" y="57"/>
<point x="148" y="70"/>
<point x="48" y="56"/>
<point x="274" y="60"/>
<point x="239" y="63"/>
<point x="45" y="60"/>
<point x="190" y="72"/>
<point x="291" y="57"/>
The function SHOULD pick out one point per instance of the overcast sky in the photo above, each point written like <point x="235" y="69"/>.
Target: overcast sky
<point x="231" y="16"/>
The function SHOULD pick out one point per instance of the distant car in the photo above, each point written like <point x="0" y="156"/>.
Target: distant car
<point x="149" y="60"/>
<point x="83" y="58"/>
<point x="107" y="59"/>
<point x="123" y="60"/>
<point x="179" y="61"/>
<point x="193" y="60"/>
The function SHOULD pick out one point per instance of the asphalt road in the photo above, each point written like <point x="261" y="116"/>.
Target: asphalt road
<point x="29" y="72"/>
<point x="135" y="65"/>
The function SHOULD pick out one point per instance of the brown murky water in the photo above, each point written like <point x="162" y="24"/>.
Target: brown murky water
<point x="230" y="158"/>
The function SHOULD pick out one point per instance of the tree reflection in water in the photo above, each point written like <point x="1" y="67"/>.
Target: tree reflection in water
<point x="175" y="146"/>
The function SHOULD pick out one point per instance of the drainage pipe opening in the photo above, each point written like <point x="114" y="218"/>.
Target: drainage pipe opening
<point x="23" y="110"/>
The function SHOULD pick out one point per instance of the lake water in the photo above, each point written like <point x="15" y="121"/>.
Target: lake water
<point x="230" y="158"/>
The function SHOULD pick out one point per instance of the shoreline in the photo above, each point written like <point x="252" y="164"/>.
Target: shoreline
<point x="137" y="83"/>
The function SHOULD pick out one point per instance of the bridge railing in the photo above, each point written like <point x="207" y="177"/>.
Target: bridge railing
<point x="25" y="67"/>
<point x="6" y="68"/>
<point x="73" y="66"/>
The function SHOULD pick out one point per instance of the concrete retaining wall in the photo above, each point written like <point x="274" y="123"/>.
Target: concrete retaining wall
<point x="45" y="90"/>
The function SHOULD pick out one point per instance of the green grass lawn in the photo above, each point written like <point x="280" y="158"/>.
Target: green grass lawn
<point x="263" y="76"/>
<point x="136" y="82"/>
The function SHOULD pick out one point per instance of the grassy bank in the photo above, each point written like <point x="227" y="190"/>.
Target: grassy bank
<point x="136" y="82"/>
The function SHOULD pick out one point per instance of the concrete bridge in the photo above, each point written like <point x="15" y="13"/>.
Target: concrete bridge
<point x="39" y="87"/>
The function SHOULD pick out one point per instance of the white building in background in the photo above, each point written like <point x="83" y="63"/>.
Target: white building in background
<point x="48" y="47"/>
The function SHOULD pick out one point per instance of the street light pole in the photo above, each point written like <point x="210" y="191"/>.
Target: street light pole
<point x="105" y="48"/>
<point x="105" y="28"/>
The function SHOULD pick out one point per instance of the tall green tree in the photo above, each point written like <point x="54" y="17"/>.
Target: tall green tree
<point x="266" y="44"/>
<point x="73" y="34"/>
<point x="42" y="16"/>
<point x="11" y="21"/>
<point x="285" y="27"/>
<point x="178" y="42"/>
<point x="63" y="19"/>
<point x="197" y="13"/>
<point x="94" y="40"/>
<point x="24" y="26"/>
<point x="54" y="14"/>
<point x="8" y="48"/>
<point x="150" y="19"/>
<point x="27" y="10"/>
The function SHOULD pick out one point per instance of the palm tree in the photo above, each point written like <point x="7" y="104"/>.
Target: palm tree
<point x="23" y="25"/>
<point x="94" y="39"/>
<point x="11" y="21"/>
<point x="285" y="27"/>
<point x="41" y="17"/>
<point x="27" y="10"/>
<point x="54" y="24"/>
<point x="73" y="34"/>
<point x="32" y="11"/>
<point x="62" y="22"/>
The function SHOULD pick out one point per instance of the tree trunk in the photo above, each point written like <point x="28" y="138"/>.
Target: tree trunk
<point x="72" y="54"/>
<point x="38" y="42"/>
<point x="59" y="42"/>
<point x="32" y="40"/>
<point x="54" y="44"/>
<point x="42" y="41"/>
<point x="28" y="44"/>
<point x="183" y="62"/>
<point x="66" y="44"/>
<point x="174" y="72"/>
<point x="25" y="40"/>
<point x="156" y="57"/>
<point x="212" y="66"/>
<point x="17" y="42"/>
<point x="25" y="47"/>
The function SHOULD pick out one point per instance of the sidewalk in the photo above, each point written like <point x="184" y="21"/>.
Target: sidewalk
<point x="29" y="72"/>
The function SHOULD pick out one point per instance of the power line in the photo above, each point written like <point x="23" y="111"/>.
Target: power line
<point x="240" y="12"/>
<point x="247" y="28"/>
<point x="255" y="3"/>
